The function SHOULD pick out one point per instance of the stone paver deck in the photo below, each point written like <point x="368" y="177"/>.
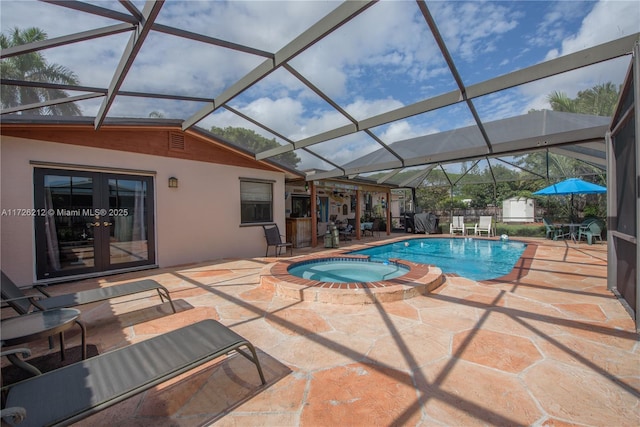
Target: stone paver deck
<point x="549" y="346"/>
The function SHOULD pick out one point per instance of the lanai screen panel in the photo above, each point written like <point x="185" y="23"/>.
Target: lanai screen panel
<point x="623" y="203"/>
<point x="394" y="68"/>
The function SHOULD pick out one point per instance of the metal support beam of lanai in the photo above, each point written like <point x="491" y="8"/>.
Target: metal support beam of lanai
<point x="150" y="13"/>
<point x="339" y="16"/>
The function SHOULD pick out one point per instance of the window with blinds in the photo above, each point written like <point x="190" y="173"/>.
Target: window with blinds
<point x="256" y="200"/>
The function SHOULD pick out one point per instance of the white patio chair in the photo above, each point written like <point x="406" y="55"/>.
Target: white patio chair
<point x="457" y="224"/>
<point x="485" y="225"/>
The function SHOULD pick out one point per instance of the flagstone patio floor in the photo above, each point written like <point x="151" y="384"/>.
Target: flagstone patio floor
<point x="549" y="346"/>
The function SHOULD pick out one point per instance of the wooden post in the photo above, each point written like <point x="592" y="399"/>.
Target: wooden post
<point x="314" y="216"/>
<point x="358" y="232"/>
<point x="388" y="212"/>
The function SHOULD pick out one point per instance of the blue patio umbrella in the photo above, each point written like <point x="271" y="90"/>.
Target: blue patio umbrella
<point x="571" y="186"/>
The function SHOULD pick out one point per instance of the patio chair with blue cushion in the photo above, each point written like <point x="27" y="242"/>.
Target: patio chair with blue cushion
<point x="274" y="238"/>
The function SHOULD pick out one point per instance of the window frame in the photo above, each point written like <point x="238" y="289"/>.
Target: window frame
<point x="256" y="219"/>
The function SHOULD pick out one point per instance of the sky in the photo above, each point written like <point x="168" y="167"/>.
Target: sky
<point x="383" y="59"/>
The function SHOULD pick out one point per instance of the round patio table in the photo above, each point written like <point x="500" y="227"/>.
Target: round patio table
<point x="573" y="230"/>
<point x="37" y="325"/>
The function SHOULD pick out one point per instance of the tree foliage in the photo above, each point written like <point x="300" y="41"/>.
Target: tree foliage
<point x="34" y="68"/>
<point x="255" y="143"/>
<point x="599" y="100"/>
<point x="559" y="101"/>
<point x="490" y="186"/>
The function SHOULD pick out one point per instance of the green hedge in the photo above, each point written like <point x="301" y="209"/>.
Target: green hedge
<point x="522" y="230"/>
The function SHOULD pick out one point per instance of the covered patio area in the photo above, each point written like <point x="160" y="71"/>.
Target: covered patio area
<point x="549" y="345"/>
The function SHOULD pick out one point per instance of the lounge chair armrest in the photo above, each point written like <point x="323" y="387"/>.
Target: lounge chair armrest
<point x="14" y="415"/>
<point x="23" y="350"/>
<point x="12" y="355"/>
<point x="29" y="297"/>
<point x="39" y="287"/>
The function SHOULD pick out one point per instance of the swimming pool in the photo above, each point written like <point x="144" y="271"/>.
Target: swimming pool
<point x="346" y="270"/>
<point x="476" y="259"/>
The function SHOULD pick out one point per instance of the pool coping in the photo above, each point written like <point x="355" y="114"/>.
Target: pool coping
<point x="419" y="280"/>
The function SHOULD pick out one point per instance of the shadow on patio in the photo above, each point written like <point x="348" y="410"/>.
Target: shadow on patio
<point x="551" y="346"/>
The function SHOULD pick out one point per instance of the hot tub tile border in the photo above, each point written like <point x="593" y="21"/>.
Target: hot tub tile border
<point x="419" y="279"/>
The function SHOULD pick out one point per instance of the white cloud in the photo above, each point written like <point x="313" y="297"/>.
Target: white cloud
<point x="347" y="148"/>
<point x="360" y="65"/>
<point x="399" y="131"/>
<point x="470" y="28"/>
<point x="558" y="19"/>
<point x="361" y="108"/>
<point x="608" y="20"/>
<point x="385" y="39"/>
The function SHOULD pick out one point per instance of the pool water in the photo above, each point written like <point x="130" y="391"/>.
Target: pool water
<point x="347" y="271"/>
<point x="475" y="259"/>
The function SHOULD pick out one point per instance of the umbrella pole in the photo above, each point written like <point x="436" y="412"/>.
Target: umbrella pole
<point x="571" y="210"/>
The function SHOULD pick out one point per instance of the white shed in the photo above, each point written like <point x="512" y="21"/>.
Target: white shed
<point x="518" y="209"/>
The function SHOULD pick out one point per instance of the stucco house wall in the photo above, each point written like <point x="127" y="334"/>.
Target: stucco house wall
<point x="198" y="221"/>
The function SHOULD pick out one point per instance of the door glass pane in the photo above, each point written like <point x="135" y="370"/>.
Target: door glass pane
<point x="69" y="223"/>
<point x="127" y="221"/>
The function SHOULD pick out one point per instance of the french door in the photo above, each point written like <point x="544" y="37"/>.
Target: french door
<point x="92" y="222"/>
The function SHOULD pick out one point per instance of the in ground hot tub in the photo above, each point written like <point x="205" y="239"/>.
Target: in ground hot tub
<point x="350" y="279"/>
<point x="347" y="270"/>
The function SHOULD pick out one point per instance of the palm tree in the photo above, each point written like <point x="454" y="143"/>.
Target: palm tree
<point x="33" y="67"/>
<point x="600" y="100"/>
<point x="561" y="102"/>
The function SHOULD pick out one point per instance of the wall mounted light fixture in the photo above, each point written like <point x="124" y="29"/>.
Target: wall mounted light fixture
<point x="173" y="182"/>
